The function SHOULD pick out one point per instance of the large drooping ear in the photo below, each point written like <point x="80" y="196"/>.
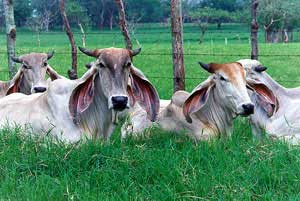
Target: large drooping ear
<point x="265" y="97"/>
<point x="83" y="95"/>
<point x="197" y="100"/>
<point x="144" y="93"/>
<point x="15" y="82"/>
<point x="53" y="74"/>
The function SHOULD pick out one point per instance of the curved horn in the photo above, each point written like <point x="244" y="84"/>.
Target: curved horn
<point x="91" y="53"/>
<point x="260" y="68"/>
<point x="16" y="59"/>
<point x="50" y="54"/>
<point x="135" y="52"/>
<point x="205" y="66"/>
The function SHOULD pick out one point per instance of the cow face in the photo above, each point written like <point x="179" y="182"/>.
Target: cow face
<point x="260" y="84"/>
<point x="33" y="71"/>
<point x="229" y="83"/>
<point x="121" y="83"/>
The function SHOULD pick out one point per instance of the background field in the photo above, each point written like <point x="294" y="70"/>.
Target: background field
<point x="164" y="166"/>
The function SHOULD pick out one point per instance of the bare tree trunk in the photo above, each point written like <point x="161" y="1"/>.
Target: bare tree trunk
<point x="285" y="36"/>
<point x="111" y="18"/>
<point x="254" y="30"/>
<point x="123" y="23"/>
<point x="73" y="72"/>
<point x="83" y="34"/>
<point x="177" y="45"/>
<point x="11" y="34"/>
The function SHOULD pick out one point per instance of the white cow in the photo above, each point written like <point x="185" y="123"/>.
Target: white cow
<point x="277" y="107"/>
<point x="206" y="112"/>
<point x="87" y="107"/>
<point x="31" y="77"/>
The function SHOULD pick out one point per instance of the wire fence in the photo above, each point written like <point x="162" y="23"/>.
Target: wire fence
<point x="156" y="38"/>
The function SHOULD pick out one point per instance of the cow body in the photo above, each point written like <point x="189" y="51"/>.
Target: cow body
<point x="205" y="113"/>
<point x="87" y="107"/>
<point x="284" y="120"/>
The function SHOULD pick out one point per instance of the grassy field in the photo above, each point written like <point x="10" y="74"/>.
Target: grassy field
<point x="163" y="166"/>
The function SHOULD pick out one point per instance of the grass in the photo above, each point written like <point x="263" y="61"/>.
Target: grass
<point x="163" y="166"/>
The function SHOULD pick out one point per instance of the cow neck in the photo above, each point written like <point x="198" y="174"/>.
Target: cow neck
<point x="215" y="115"/>
<point x="24" y="86"/>
<point x="96" y="120"/>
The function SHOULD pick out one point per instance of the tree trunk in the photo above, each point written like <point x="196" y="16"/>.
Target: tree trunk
<point x="11" y="34"/>
<point x="111" y="18"/>
<point x="73" y="72"/>
<point x="177" y="45"/>
<point x="254" y="30"/>
<point x="123" y="24"/>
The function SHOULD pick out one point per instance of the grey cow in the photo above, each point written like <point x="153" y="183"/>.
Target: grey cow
<point x="277" y="107"/>
<point x="205" y="113"/>
<point x="87" y="107"/>
<point x="30" y="78"/>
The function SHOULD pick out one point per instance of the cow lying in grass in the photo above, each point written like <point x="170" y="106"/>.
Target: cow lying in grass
<point x="277" y="112"/>
<point x="30" y="78"/>
<point x="87" y="107"/>
<point x="206" y="112"/>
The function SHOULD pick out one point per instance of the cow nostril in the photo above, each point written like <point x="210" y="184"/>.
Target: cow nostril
<point x="119" y="102"/>
<point x="39" y="89"/>
<point x="248" y="108"/>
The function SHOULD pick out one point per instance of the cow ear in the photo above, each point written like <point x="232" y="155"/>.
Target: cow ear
<point x="82" y="97"/>
<point x="144" y="93"/>
<point x="53" y="74"/>
<point x="196" y="100"/>
<point x="265" y="97"/>
<point x="14" y="86"/>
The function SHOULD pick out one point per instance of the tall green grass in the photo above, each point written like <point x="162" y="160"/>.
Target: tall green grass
<point x="163" y="166"/>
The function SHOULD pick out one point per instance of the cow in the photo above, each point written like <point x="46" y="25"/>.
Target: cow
<point x="205" y="113"/>
<point x="88" y="107"/>
<point x="277" y="107"/>
<point x="30" y="78"/>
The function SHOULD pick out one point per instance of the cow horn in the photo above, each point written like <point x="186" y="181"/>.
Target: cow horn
<point x="135" y="52"/>
<point x="91" y="53"/>
<point x="16" y="59"/>
<point x="205" y="66"/>
<point x="50" y="54"/>
<point x="260" y="68"/>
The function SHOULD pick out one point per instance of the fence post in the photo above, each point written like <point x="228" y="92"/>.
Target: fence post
<point x="254" y="30"/>
<point x="177" y="45"/>
<point x="73" y="72"/>
<point x="11" y="34"/>
<point x="123" y="24"/>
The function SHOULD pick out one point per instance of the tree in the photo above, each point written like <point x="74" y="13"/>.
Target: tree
<point x="72" y="73"/>
<point x="254" y="29"/>
<point x="11" y="34"/>
<point x="22" y="10"/>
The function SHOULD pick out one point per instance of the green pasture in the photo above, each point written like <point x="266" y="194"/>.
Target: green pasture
<point x="162" y="166"/>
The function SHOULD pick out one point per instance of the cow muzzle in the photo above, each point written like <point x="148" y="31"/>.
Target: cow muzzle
<point x="119" y="103"/>
<point x="246" y="109"/>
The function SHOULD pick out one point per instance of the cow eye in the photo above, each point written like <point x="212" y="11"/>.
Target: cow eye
<point x="101" y="65"/>
<point x="128" y="64"/>
<point x="45" y="64"/>
<point x="222" y="78"/>
<point x="25" y="66"/>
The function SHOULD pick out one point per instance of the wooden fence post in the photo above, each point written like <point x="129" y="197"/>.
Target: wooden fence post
<point x="177" y="45"/>
<point x="123" y="24"/>
<point x="254" y="30"/>
<point x="11" y="34"/>
<point x="73" y="72"/>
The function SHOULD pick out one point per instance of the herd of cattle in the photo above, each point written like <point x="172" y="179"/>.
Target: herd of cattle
<point x="113" y="88"/>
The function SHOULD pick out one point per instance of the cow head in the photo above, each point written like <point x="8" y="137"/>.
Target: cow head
<point x="259" y="83"/>
<point x="31" y="75"/>
<point x="113" y="71"/>
<point x="229" y="83"/>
